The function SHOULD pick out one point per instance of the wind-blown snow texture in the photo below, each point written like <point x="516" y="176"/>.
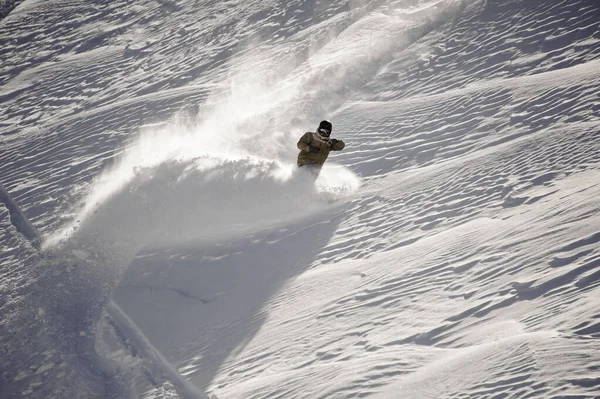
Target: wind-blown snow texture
<point x="156" y="243"/>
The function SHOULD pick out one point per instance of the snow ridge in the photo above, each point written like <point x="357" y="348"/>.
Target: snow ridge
<point x="18" y="218"/>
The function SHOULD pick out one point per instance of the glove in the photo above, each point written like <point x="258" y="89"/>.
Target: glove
<point x="334" y="142"/>
<point x="312" y="149"/>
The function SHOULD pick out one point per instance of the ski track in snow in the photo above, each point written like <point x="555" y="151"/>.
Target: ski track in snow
<point x="150" y="145"/>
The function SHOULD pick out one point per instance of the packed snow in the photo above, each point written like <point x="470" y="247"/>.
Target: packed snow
<point x="158" y="241"/>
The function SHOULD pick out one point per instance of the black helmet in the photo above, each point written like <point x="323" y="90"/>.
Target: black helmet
<point x="325" y="128"/>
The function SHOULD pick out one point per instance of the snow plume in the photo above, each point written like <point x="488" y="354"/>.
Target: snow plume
<point x="269" y="96"/>
<point x="256" y="114"/>
<point x="228" y="160"/>
<point x="202" y="198"/>
<point x="180" y="182"/>
<point x="244" y="135"/>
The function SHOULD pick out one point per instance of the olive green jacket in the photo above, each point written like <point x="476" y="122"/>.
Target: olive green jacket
<point x="309" y="139"/>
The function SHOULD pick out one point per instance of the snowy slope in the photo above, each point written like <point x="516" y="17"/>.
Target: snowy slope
<point x="450" y="251"/>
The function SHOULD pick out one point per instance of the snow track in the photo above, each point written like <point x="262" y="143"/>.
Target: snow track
<point x="144" y="349"/>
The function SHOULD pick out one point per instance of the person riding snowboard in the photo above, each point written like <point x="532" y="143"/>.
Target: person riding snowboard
<point x="315" y="146"/>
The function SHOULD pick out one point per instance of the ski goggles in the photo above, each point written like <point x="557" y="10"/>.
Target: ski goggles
<point x="324" y="132"/>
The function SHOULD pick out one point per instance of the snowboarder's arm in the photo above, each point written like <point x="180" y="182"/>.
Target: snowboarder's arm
<point x="337" y="145"/>
<point x="304" y="142"/>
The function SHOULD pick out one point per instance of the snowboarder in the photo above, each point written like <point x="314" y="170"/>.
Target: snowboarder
<point x="315" y="146"/>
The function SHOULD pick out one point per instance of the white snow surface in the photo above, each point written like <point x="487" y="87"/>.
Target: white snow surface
<point x="157" y="241"/>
